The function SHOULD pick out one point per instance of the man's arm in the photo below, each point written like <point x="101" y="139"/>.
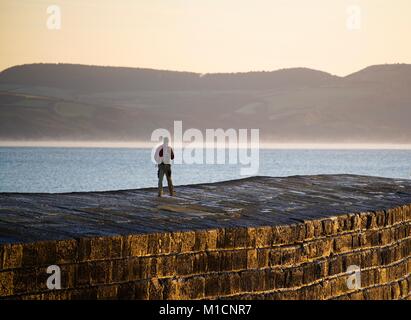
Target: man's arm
<point x="157" y="156"/>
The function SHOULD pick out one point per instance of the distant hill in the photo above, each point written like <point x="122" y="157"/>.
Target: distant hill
<point x="97" y="79"/>
<point x="77" y="102"/>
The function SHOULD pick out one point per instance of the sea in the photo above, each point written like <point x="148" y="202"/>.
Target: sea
<point x="72" y="169"/>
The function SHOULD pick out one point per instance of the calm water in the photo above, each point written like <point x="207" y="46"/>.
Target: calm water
<point x="91" y="169"/>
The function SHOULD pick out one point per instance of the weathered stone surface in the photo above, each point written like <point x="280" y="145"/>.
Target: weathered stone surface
<point x="258" y="202"/>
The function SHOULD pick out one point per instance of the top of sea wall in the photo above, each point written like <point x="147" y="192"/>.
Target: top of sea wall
<point x="251" y="202"/>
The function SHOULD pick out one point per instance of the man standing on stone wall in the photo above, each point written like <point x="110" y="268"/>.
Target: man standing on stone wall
<point x="163" y="157"/>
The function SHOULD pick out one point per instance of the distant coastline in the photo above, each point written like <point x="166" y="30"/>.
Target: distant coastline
<point x="148" y="145"/>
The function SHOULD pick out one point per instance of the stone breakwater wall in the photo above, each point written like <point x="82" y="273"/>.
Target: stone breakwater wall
<point x="305" y="260"/>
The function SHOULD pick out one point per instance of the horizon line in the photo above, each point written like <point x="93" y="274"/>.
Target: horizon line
<point x="151" y="144"/>
<point x="201" y="73"/>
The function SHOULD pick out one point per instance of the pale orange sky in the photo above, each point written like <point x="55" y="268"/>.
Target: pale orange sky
<point x="207" y="35"/>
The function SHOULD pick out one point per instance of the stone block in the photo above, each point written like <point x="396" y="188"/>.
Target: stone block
<point x="182" y="242"/>
<point x="380" y="218"/>
<point x="166" y="265"/>
<point x="395" y="291"/>
<point x="136" y="245"/>
<point x="275" y="257"/>
<point x="248" y="279"/>
<point x="335" y="266"/>
<point x="120" y="270"/>
<point x="371" y="221"/>
<point x="138" y="268"/>
<point x="318" y="228"/>
<point x="263" y="258"/>
<point x="264" y="237"/>
<point x="24" y="281"/>
<point x="325" y="247"/>
<point x="170" y="290"/>
<point x="116" y="247"/>
<point x="288" y="256"/>
<point x="398" y="215"/>
<point x="240" y="238"/>
<point x="385" y="236"/>
<point x="405" y="290"/>
<point x="201" y="237"/>
<point x="100" y="248"/>
<point x="226" y="260"/>
<point x="251" y="237"/>
<point x="225" y="286"/>
<point x="308" y="250"/>
<point x="107" y="292"/>
<point x="294" y="277"/>
<point x="285" y="234"/>
<point x="330" y="226"/>
<point x="191" y="288"/>
<point x="12" y="256"/>
<point x="234" y="280"/>
<point x="46" y="253"/>
<point x="155" y="289"/>
<point x="141" y="289"/>
<point x="100" y="272"/>
<point x="342" y="243"/>
<point x="66" y="251"/>
<point x="68" y="276"/>
<point x="407" y="213"/>
<point x="355" y="222"/>
<point x="84" y="249"/>
<point x="159" y="243"/>
<point x="127" y="291"/>
<point x="83" y="273"/>
<point x="214" y="261"/>
<point x="339" y="285"/>
<point x="311" y="272"/>
<point x="184" y="264"/>
<point x="352" y="259"/>
<point x="212" y="285"/>
<point x="373" y="237"/>
<point x="239" y="259"/>
<point x="212" y="236"/>
<point x="252" y="262"/>
<point x="363" y="220"/>
<point x="300" y="230"/>
<point x="199" y="263"/>
<point x="6" y="283"/>
<point x="309" y="229"/>
<point x="389" y="218"/>
<point x="226" y="239"/>
<point x="344" y="223"/>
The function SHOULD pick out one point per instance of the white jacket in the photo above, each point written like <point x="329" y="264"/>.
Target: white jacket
<point x="164" y="154"/>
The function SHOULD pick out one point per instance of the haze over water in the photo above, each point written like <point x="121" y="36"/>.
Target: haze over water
<point x="41" y="169"/>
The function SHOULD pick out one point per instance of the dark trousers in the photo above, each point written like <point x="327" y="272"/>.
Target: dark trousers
<point x="165" y="169"/>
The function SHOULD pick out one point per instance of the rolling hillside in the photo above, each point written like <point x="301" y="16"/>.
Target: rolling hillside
<point x="76" y="102"/>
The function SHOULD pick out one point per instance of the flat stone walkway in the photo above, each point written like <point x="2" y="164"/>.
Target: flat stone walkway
<point x="254" y="201"/>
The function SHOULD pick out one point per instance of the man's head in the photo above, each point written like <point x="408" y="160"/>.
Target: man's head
<point x="165" y="141"/>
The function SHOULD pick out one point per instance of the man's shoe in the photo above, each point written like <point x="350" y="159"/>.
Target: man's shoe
<point x="160" y="194"/>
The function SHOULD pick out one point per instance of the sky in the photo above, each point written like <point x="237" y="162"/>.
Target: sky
<point x="207" y="36"/>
